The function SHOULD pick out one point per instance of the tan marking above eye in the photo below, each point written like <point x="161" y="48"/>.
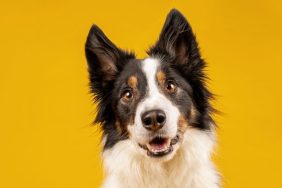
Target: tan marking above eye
<point x="161" y="77"/>
<point x="169" y="86"/>
<point x="132" y="82"/>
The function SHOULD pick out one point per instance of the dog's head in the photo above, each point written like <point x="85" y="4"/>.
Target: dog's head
<point x="151" y="101"/>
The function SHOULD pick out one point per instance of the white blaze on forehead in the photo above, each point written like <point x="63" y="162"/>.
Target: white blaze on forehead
<point x="153" y="100"/>
<point x="150" y="67"/>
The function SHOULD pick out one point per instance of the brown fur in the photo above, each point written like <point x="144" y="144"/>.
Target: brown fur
<point x="132" y="82"/>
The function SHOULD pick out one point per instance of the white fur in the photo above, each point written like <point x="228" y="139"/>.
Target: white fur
<point x="191" y="166"/>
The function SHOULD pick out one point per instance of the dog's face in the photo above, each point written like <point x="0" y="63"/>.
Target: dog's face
<point x="151" y="101"/>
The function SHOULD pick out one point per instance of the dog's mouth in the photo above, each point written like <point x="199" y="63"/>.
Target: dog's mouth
<point x="160" y="146"/>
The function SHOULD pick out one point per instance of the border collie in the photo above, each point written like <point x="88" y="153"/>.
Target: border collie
<point x="155" y="113"/>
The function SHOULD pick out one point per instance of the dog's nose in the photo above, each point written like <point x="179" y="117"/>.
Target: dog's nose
<point x="153" y="120"/>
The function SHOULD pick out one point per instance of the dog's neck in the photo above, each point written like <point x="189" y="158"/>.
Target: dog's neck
<point x="191" y="167"/>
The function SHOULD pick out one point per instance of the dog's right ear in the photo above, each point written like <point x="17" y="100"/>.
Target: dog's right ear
<point x="105" y="60"/>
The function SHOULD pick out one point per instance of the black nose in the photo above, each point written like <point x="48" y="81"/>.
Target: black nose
<point x="153" y="120"/>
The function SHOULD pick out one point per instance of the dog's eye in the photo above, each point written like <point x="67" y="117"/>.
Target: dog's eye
<point x="171" y="86"/>
<point x="127" y="95"/>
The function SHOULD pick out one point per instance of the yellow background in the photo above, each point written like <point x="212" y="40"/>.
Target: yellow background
<point x="46" y="110"/>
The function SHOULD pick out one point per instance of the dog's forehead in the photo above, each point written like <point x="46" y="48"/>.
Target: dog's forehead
<point x="133" y="67"/>
<point x="140" y="68"/>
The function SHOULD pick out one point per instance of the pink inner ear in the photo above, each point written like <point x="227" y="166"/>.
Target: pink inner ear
<point x="108" y="68"/>
<point x="182" y="53"/>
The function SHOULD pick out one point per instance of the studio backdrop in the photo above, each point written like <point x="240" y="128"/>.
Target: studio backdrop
<point x="46" y="111"/>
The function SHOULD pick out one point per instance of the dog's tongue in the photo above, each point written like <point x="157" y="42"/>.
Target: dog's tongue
<point x="158" y="144"/>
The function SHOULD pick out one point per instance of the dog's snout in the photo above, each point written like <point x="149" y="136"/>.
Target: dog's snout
<point x="153" y="120"/>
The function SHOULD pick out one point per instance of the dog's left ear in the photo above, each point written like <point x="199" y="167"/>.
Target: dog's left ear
<point x="177" y="43"/>
<point x="176" y="39"/>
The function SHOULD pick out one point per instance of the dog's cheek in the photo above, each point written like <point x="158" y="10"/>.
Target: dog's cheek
<point x="131" y="132"/>
<point x="127" y="123"/>
<point x="186" y="120"/>
<point x="182" y="124"/>
<point x="193" y="113"/>
<point x="123" y="118"/>
<point x="119" y="127"/>
<point x="186" y="107"/>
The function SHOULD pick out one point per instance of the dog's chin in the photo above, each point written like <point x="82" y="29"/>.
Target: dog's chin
<point x="161" y="148"/>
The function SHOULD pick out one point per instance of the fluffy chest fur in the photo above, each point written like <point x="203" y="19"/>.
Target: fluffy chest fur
<point x="190" y="168"/>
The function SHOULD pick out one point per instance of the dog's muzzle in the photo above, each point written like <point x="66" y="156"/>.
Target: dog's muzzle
<point x="160" y="146"/>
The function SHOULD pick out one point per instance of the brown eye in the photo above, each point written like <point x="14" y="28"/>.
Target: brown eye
<point x="127" y="95"/>
<point x="171" y="86"/>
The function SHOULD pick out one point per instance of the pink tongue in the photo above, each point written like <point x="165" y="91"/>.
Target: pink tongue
<point x="158" y="145"/>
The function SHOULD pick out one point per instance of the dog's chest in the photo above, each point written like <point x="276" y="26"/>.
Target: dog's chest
<point x="190" y="168"/>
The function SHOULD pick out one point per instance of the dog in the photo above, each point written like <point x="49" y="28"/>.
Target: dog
<point x="155" y="113"/>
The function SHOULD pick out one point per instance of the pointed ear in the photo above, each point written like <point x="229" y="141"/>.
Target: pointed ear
<point x="176" y="39"/>
<point x="104" y="59"/>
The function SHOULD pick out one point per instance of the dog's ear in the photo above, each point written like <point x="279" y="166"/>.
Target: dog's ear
<point x="104" y="59"/>
<point x="176" y="39"/>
